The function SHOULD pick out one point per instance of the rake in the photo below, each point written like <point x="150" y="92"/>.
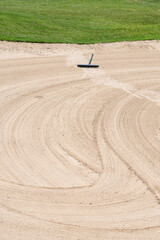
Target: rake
<point x="89" y="65"/>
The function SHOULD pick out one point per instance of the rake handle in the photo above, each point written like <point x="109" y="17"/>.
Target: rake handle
<point x="90" y="59"/>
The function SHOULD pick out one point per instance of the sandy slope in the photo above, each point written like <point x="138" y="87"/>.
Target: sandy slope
<point x="80" y="148"/>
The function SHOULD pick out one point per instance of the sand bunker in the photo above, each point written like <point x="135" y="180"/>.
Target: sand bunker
<point x="80" y="148"/>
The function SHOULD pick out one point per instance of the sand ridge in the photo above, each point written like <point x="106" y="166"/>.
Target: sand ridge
<point x="80" y="148"/>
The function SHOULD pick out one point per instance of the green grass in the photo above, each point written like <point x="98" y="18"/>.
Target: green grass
<point x="79" y="21"/>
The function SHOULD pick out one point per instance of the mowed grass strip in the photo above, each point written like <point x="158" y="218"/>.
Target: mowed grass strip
<point x="83" y="21"/>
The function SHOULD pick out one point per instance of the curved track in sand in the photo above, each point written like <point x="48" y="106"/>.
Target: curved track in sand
<point x="80" y="148"/>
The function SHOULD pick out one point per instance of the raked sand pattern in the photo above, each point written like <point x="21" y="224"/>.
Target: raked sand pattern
<point x="80" y="148"/>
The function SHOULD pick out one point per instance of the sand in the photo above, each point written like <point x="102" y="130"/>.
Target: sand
<point x="80" y="148"/>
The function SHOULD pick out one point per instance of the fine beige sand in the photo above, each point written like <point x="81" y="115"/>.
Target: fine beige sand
<point x="80" y="148"/>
